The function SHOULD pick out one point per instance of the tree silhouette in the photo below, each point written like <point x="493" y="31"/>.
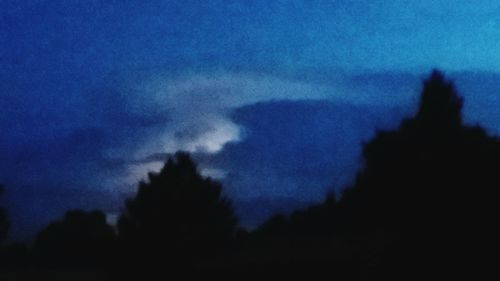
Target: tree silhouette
<point x="318" y="220"/>
<point x="424" y="201"/>
<point x="81" y="239"/>
<point x="432" y="182"/>
<point x="440" y="105"/>
<point x="178" y="213"/>
<point x="4" y="222"/>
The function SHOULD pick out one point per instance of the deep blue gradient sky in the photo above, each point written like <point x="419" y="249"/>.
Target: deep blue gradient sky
<point x="93" y="94"/>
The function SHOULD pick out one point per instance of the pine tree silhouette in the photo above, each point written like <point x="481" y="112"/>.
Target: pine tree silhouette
<point x="432" y="182"/>
<point x="178" y="213"/>
<point x="440" y="105"/>
<point x="425" y="200"/>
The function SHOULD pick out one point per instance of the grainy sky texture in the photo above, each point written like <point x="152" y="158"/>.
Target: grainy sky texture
<point x="94" y="94"/>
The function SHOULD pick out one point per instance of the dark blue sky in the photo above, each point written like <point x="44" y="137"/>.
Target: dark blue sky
<point x="94" y="93"/>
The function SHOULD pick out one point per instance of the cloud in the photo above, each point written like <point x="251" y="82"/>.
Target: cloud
<point x="199" y="104"/>
<point x="97" y="141"/>
<point x="296" y="151"/>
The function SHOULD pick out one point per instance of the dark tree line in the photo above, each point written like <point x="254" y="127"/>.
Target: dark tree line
<point x="424" y="203"/>
<point x="80" y="239"/>
<point x="425" y="200"/>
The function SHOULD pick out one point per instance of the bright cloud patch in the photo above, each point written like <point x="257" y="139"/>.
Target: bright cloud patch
<point x="199" y="105"/>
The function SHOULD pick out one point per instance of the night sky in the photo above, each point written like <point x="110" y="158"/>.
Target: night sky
<point x="274" y="98"/>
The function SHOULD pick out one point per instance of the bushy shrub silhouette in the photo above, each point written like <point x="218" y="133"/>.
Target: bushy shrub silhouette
<point x="179" y="214"/>
<point x="316" y="221"/>
<point x="81" y="239"/>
